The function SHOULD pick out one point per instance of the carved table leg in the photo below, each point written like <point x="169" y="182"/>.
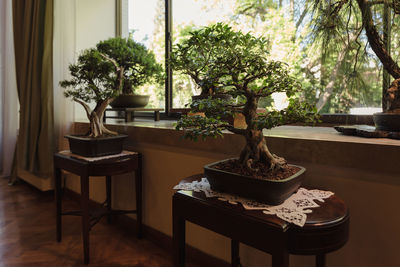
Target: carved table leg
<point x="178" y="237"/>
<point x="57" y="173"/>
<point x="85" y="216"/>
<point x="320" y="260"/>
<point x="108" y="199"/>
<point x="280" y="259"/>
<point x="235" y="259"/>
<point x="139" y="205"/>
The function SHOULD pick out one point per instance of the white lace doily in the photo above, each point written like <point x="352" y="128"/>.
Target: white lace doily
<point x="92" y="159"/>
<point x="293" y="210"/>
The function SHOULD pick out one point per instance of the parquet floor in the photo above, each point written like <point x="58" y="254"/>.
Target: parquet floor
<point x="27" y="235"/>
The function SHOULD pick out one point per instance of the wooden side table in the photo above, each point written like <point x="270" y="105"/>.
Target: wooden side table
<point x="326" y="228"/>
<point x="103" y="166"/>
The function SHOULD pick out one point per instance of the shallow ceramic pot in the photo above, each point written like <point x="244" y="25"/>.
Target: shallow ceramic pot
<point x="96" y="147"/>
<point x="387" y="121"/>
<point x="130" y="101"/>
<point x="272" y="192"/>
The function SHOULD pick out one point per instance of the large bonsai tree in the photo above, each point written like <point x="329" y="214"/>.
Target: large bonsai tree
<point x="248" y="74"/>
<point x="94" y="78"/>
<point x="138" y="65"/>
<point x="196" y="55"/>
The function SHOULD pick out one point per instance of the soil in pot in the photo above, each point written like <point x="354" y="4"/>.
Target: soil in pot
<point x="261" y="171"/>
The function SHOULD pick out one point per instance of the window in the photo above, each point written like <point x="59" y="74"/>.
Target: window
<point x="340" y="74"/>
<point x="146" y="25"/>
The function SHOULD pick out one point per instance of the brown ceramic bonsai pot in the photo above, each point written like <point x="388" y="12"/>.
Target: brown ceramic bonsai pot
<point x="387" y="121"/>
<point x="272" y="192"/>
<point x="130" y="101"/>
<point x="96" y="147"/>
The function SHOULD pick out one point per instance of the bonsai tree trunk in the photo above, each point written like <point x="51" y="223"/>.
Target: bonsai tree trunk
<point x="256" y="149"/>
<point x="95" y="117"/>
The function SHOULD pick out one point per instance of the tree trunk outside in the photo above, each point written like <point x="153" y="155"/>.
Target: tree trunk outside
<point x="375" y="41"/>
<point x="387" y="20"/>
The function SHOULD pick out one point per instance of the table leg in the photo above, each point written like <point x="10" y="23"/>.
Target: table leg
<point x="108" y="198"/>
<point x="178" y="237"/>
<point x="85" y="216"/>
<point x="235" y="259"/>
<point x="139" y="205"/>
<point x="57" y="174"/>
<point x="320" y="260"/>
<point x="280" y="259"/>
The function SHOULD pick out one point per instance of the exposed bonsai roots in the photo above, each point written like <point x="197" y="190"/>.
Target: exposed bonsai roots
<point x="95" y="117"/>
<point x="256" y="150"/>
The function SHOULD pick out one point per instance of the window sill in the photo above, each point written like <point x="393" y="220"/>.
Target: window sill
<point x="298" y="144"/>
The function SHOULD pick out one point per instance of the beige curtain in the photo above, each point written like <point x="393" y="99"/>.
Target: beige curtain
<point x="33" y="34"/>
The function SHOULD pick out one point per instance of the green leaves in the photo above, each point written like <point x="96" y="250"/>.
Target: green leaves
<point x="199" y="126"/>
<point x="236" y="63"/>
<point x="93" y="78"/>
<point x="140" y="65"/>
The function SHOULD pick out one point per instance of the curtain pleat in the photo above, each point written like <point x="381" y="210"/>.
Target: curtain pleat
<point x="33" y="34"/>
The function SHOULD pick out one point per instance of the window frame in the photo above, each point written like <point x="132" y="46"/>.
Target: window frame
<point x="172" y="113"/>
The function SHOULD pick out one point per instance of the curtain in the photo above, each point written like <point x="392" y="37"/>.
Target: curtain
<point x="33" y="33"/>
<point x="8" y="90"/>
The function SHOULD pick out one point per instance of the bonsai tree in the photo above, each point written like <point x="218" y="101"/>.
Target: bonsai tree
<point x="94" y="78"/>
<point x="247" y="72"/>
<point x="138" y="65"/>
<point x="196" y="55"/>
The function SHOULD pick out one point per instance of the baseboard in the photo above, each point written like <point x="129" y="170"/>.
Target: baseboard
<point x="159" y="238"/>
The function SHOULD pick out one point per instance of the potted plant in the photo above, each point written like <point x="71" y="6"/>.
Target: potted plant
<point x="94" y="78"/>
<point x="257" y="173"/>
<point x="195" y="57"/>
<point x="138" y="67"/>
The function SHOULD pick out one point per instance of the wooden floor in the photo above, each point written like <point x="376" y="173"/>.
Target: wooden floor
<point x="27" y="235"/>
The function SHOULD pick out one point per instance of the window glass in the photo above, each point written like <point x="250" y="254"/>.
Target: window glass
<point x="146" y="25"/>
<point x="339" y="76"/>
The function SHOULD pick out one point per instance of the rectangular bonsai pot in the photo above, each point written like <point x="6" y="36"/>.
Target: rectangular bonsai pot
<point x="272" y="192"/>
<point x="96" y="147"/>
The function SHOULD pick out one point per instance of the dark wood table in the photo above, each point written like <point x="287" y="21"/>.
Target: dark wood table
<point x="129" y="113"/>
<point x="326" y="228"/>
<point x="84" y="167"/>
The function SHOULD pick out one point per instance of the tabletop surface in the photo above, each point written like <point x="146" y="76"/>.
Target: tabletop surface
<point x="330" y="212"/>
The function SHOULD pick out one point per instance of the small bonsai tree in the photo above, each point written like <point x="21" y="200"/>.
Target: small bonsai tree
<point x="196" y="55"/>
<point x="94" y="78"/>
<point x="138" y="65"/>
<point x="250" y="75"/>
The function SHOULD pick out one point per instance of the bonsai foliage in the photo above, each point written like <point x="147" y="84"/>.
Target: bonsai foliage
<point x="138" y="65"/>
<point x="246" y="72"/>
<point x="94" y="78"/>
<point x="196" y="56"/>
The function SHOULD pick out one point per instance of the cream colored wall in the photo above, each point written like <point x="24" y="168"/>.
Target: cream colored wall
<point x="371" y="194"/>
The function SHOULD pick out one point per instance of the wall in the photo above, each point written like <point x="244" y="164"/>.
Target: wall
<point x="361" y="172"/>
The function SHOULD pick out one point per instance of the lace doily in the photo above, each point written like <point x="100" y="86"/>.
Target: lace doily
<point x="92" y="159"/>
<point x="293" y="210"/>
